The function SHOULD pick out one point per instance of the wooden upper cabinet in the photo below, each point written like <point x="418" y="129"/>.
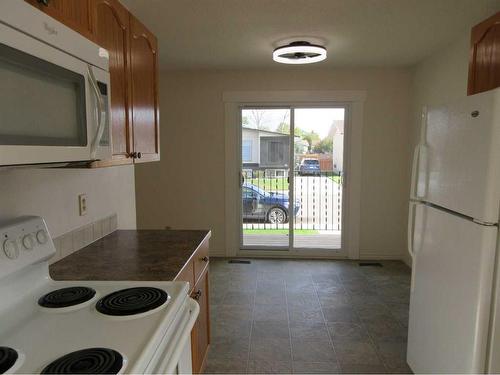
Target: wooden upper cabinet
<point x="484" y="63"/>
<point x="133" y="67"/>
<point x="75" y="14"/>
<point x="144" y="94"/>
<point x="111" y="28"/>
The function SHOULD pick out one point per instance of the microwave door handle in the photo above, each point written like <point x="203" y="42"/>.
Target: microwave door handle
<point x="100" y="109"/>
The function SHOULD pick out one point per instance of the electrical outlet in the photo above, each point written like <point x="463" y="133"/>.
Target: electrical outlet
<point x="82" y="204"/>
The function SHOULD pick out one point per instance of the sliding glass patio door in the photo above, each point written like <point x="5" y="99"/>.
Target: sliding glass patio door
<point x="291" y="178"/>
<point x="265" y="168"/>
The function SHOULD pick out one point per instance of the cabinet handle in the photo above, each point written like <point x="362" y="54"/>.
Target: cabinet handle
<point x="205" y="259"/>
<point x="44" y="2"/>
<point x="135" y="155"/>
<point x="197" y="295"/>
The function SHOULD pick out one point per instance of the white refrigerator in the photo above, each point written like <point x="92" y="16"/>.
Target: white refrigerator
<point x="454" y="324"/>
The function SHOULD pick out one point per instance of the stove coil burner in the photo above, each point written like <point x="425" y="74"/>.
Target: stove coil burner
<point x="131" y="301"/>
<point x="8" y="357"/>
<point x="67" y="297"/>
<point x="87" y="361"/>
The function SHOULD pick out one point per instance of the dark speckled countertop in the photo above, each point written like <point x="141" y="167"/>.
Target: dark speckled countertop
<point x="140" y="255"/>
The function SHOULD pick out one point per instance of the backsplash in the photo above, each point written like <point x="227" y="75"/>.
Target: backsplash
<point x="78" y="238"/>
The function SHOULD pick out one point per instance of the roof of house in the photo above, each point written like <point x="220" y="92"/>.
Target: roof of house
<point x="264" y="131"/>
<point x="268" y="132"/>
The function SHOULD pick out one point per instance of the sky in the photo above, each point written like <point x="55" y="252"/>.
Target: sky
<point x="308" y="119"/>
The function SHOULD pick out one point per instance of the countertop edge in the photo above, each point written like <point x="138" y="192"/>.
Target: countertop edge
<point x="206" y="238"/>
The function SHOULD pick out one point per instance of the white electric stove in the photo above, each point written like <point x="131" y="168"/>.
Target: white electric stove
<point x="49" y="326"/>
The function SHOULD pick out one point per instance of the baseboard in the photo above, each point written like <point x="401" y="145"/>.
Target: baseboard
<point x="365" y="255"/>
<point x="376" y="254"/>
<point x="406" y="258"/>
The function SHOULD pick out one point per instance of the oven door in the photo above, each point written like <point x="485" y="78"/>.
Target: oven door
<point x="173" y="354"/>
<point x="53" y="107"/>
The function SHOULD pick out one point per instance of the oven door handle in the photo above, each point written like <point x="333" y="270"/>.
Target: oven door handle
<point x="194" y="310"/>
<point x="100" y="111"/>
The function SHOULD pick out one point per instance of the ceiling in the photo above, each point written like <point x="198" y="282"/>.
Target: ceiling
<point x="239" y="34"/>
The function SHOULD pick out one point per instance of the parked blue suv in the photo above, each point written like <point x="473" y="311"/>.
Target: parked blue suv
<point x="309" y="167"/>
<point x="259" y="204"/>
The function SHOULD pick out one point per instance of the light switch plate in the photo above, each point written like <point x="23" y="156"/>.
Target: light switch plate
<point x="82" y="204"/>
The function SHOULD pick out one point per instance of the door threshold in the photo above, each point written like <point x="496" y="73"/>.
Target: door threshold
<point x="289" y="255"/>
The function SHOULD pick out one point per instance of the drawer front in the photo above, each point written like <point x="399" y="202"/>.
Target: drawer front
<point x="187" y="274"/>
<point x="200" y="260"/>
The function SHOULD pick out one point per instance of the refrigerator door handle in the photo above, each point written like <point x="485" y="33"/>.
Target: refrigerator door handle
<point x="418" y="186"/>
<point x="411" y="219"/>
<point x="414" y="171"/>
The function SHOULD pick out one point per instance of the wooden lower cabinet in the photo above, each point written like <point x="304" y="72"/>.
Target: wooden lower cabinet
<point x="200" y="336"/>
<point x="195" y="272"/>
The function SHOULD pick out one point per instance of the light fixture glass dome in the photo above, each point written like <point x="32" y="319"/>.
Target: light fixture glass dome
<point x="299" y="53"/>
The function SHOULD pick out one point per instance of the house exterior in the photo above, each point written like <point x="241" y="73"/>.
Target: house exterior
<point x="265" y="150"/>
<point x="337" y="133"/>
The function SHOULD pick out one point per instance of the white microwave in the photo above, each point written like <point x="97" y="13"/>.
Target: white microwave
<point x="54" y="91"/>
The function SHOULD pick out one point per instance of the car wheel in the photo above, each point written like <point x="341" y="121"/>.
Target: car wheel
<point x="277" y="215"/>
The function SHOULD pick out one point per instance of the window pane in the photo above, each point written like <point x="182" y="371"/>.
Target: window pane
<point x="247" y="150"/>
<point x="265" y="165"/>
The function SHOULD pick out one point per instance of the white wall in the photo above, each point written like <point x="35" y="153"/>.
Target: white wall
<point x="440" y="78"/>
<point x="53" y="194"/>
<point x="186" y="188"/>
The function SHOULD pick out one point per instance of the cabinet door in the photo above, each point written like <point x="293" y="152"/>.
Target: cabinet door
<point x="75" y="14"/>
<point x="144" y="95"/>
<point x="111" y="27"/>
<point x="484" y="64"/>
<point x="200" y="336"/>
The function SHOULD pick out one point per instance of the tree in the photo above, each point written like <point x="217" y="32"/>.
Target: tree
<point x="311" y="138"/>
<point x="284" y="128"/>
<point x="257" y="119"/>
<point x="325" y="146"/>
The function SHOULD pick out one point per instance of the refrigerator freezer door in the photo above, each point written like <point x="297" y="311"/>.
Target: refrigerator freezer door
<point x="461" y="160"/>
<point x="453" y="262"/>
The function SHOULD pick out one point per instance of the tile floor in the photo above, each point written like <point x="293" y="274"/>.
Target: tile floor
<point x="307" y="316"/>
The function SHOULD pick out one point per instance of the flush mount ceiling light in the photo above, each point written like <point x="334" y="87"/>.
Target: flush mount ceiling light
<point x="299" y="53"/>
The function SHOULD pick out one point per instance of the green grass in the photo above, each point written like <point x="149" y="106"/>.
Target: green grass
<point x="280" y="231"/>
<point x="271" y="184"/>
<point x="336" y="179"/>
<point x="281" y="183"/>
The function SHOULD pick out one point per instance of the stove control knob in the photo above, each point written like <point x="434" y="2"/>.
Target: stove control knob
<point x="10" y="249"/>
<point x="28" y="242"/>
<point x="41" y="237"/>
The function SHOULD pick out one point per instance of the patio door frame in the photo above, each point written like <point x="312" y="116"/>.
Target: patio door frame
<point x="291" y="250"/>
<point x="353" y="102"/>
